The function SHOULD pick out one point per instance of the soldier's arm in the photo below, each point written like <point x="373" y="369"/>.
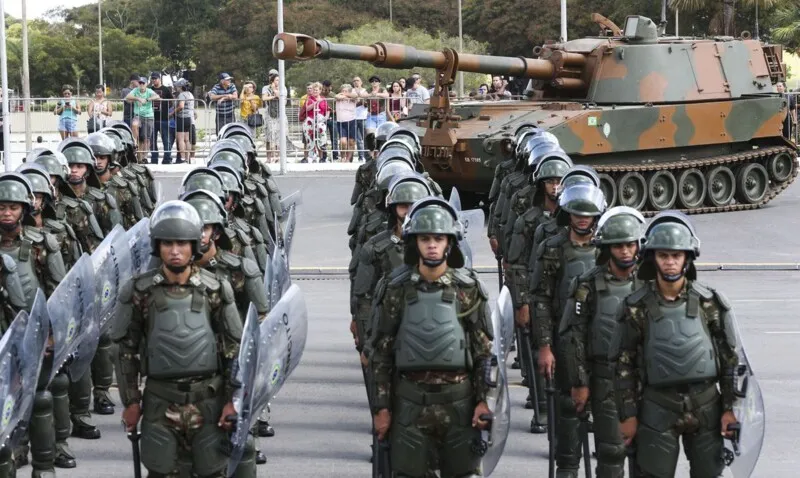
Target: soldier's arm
<point x="574" y="331"/>
<point x="518" y="272"/>
<point x="721" y="325"/>
<point x="476" y="317"/>
<point x="625" y="352"/>
<point x="366" y="278"/>
<point x="54" y="267"/>
<point x="128" y="332"/>
<point x="254" y="288"/>
<point x="14" y="293"/>
<point x="230" y="332"/>
<point x="544" y="278"/>
<point x="382" y="360"/>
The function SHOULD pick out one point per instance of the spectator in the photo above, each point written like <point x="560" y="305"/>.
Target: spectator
<point x="377" y="108"/>
<point x="143" y="116"/>
<point x="302" y="105"/>
<point x="314" y="115"/>
<point x="161" y="119"/>
<point x="332" y="130"/>
<point x="498" y="90"/>
<point x="127" y="108"/>
<point x="272" y="130"/>
<point x="416" y="93"/>
<point x="346" y="121"/>
<point x="224" y="93"/>
<point x="402" y="82"/>
<point x="361" y="115"/>
<point x="397" y="102"/>
<point x="67" y="110"/>
<point x="248" y="107"/>
<point x="791" y="118"/>
<point x="483" y="90"/>
<point x="184" y="118"/>
<point x="99" y="110"/>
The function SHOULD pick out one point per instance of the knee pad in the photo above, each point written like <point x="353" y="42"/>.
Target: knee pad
<point x="42" y="401"/>
<point x="60" y="384"/>
<point x="159" y="449"/>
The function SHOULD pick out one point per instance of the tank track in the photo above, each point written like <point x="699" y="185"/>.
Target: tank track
<point x="726" y="160"/>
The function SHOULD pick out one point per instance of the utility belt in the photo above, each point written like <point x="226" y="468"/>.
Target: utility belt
<point x="186" y="391"/>
<point x="683" y="398"/>
<point x="432" y="394"/>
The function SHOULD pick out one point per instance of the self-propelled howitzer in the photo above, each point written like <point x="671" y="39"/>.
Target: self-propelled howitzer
<point x="668" y="122"/>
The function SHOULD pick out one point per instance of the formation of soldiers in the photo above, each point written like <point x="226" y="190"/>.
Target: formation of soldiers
<point x="200" y="265"/>
<point x="615" y="334"/>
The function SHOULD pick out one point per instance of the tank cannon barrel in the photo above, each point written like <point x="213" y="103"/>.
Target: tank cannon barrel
<point x="295" y="46"/>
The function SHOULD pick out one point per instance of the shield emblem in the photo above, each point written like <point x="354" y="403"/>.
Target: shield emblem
<point x="112" y="266"/>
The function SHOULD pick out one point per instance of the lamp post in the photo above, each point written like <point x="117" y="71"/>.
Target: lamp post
<point x="26" y="76"/>
<point x="282" y="102"/>
<point x="563" y="20"/>
<point x="4" y="80"/>
<point x="460" y="50"/>
<point x="100" y="40"/>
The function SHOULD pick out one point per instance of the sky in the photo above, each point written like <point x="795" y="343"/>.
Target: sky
<point x="37" y="8"/>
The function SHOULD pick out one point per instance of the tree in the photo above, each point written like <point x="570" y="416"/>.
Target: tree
<point x="78" y="73"/>
<point x="788" y="17"/>
<point x="343" y="71"/>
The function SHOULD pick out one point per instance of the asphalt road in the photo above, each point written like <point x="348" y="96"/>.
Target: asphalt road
<point x="321" y="418"/>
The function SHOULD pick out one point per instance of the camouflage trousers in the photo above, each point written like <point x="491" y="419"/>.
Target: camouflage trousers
<point x="178" y="436"/>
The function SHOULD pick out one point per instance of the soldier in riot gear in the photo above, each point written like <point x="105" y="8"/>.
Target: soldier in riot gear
<point x="588" y="325"/>
<point x="674" y="315"/>
<point x="39" y="265"/>
<point x="124" y="192"/>
<point x="144" y="176"/>
<point x="76" y="212"/>
<point x="432" y="405"/>
<point x="83" y="183"/>
<point x="545" y="179"/>
<point x="179" y="326"/>
<point x="561" y="259"/>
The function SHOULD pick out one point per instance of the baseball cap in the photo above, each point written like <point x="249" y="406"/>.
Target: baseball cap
<point x="134" y="77"/>
<point x="225" y="76"/>
<point x="374" y="78"/>
<point x="142" y="79"/>
<point x="155" y="74"/>
<point x="181" y="82"/>
<point x="273" y="72"/>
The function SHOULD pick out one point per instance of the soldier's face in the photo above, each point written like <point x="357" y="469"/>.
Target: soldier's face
<point x="38" y="201"/>
<point x="670" y="262"/>
<point x="624" y="252"/>
<point x="402" y="211"/>
<point x="77" y="171"/>
<point x="10" y="213"/>
<point x="102" y="162"/>
<point x="432" y="246"/>
<point x="551" y="187"/>
<point x="208" y="235"/>
<point x="54" y="180"/>
<point x="581" y="222"/>
<point x="175" y="254"/>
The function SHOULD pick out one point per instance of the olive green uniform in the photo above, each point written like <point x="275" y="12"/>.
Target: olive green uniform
<point x="184" y="338"/>
<point x="80" y="217"/>
<point x="500" y="172"/>
<point x="126" y="195"/>
<point x="432" y="396"/>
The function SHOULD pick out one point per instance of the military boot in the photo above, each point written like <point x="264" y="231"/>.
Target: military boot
<point x="42" y="435"/>
<point x="7" y="468"/>
<point x="261" y="458"/>
<point x="60" y="389"/>
<point x="80" y="396"/>
<point x="264" y="428"/>
<point x="103" y="375"/>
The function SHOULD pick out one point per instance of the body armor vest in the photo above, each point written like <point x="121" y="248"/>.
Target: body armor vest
<point x="678" y="348"/>
<point x="430" y="336"/>
<point x="180" y="342"/>
<point x="608" y="299"/>
<point x="393" y="256"/>
<point x="575" y="261"/>
<point x="23" y="255"/>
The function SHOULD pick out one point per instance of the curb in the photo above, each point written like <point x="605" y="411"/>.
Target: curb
<point x="290" y="167"/>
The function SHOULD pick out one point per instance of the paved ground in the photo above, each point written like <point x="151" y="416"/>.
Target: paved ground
<point x="321" y="417"/>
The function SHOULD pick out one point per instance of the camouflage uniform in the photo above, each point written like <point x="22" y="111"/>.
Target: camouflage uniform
<point x="246" y="233"/>
<point x="365" y="175"/>
<point x="79" y="215"/>
<point x="500" y="173"/>
<point x="126" y="195"/>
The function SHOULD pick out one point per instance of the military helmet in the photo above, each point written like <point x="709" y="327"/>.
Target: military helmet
<point x="36" y="152"/>
<point x="402" y="141"/>
<point x="581" y="200"/>
<point x="530" y="141"/>
<point x="383" y="132"/>
<point x="388" y="170"/>
<point x="231" y="180"/>
<point x="203" y="178"/>
<point x="77" y="151"/>
<point x="54" y="165"/>
<point x="234" y="129"/>
<point x="39" y="178"/>
<point x="124" y="131"/>
<point x="579" y="174"/>
<point x="525" y="128"/>
<point x="176" y="221"/>
<point x="233" y="158"/>
<point x="228" y="144"/>
<point x="101" y="144"/>
<point x="433" y="215"/>
<point x="618" y="225"/>
<point x="119" y="159"/>
<point x="15" y="187"/>
<point x="671" y="231"/>
<point x="400" y="132"/>
<point x="246" y="142"/>
<point x="553" y="166"/>
<point x="396" y="152"/>
<point x="407" y="189"/>
<point x="209" y="207"/>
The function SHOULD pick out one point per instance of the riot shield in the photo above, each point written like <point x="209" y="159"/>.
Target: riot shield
<point x="22" y="348"/>
<point x="498" y="398"/>
<point x="112" y="265"/>
<point x="294" y="199"/>
<point x="282" y="339"/>
<point x="158" y="192"/>
<point x="73" y="319"/>
<point x="276" y="276"/>
<point x="288" y="231"/>
<point x="246" y="368"/>
<point x="749" y="411"/>
<point x="472" y="222"/>
<point x="139" y="244"/>
<point x="455" y="199"/>
<point x="505" y="309"/>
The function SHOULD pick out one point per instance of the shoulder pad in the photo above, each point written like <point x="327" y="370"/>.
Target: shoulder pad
<point x="95" y="194"/>
<point x="247" y="200"/>
<point x="704" y="291"/>
<point x="399" y="275"/>
<point x="259" y="207"/>
<point x="463" y="277"/>
<point x="722" y="299"/>
<point x="8" y="263"/>
<point x="257" y="236"/>
<point x="230" y="260"/>
<point x="637" y="295"/>
<point x="590" y="274"/>
<point x="262" y="191"/>
<point x="70" y="201"/>
<point x="250" y="268"/>
<point x="51" y="242"/>
<point x="119" y="181"/>
<point x="34" y="234"/>
<point x="126" y="291"/>
<point x="230" y="232"/>
<point x="54" y="225"/>
<point x="86" y="206"/>
<point x="209" y="279"/>
<point x="257" y="178"/>
<point x="380" y="241"/>
<point x="557" y="240"/>
<point x="112" y="202"/>
<point x="243" y="237"/>
<point x="148" y="279"/>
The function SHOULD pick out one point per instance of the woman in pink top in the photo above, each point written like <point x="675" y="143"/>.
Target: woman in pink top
<point x="346" y="121"/>
<point x="397" y="101"/>
<point x="314" y="115"/>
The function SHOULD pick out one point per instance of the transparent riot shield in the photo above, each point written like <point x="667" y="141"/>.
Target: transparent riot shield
<point x="112" y="266"/>
<point x="139" y="244"/>
<point x="73" y="319"/>
<point x="295" y="199"/>
<point x="288" y="231"/>
<point x="505" y="309"/>
<point x="158" y="192"/>
<point x="455" y="199"/>
<point x="498" y="398"/>
<point x="281" y="341"/>
<point x="472" y="222"/>
<point x="745" y="448"/>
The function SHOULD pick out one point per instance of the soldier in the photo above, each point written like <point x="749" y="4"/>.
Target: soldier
<point x="383" y="253"/>
<point x="561" y="259"/>
<point x="242" y="273"/>
<point x="44" y="216"/>
<point x="84" y="184"/>
<point x="183" y="321"/>
<point x="431" y="405"/>
<point x="545" y="180"/>
<point x="672" y="315"/>
<point x="119" y="166"/>
<point x="143" y="174"/>
<point x="39" y="265"/>
<point x="124" y="193"/>
<point x="588" y="325"/>
<point x="76" y="212"/>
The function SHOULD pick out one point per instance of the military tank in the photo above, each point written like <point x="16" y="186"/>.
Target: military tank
<point x="667" y="122"/>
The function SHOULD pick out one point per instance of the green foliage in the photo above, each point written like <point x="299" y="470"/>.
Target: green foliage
<point x="343" y="71"/>
<point x="788" y="17"/>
